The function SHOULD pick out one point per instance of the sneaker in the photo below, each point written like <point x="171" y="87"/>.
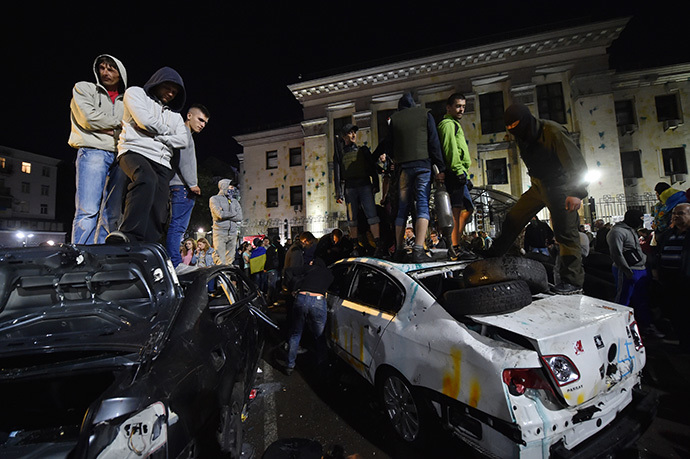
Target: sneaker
<point x="467" y="255"/>
<point x="116" y="237"/>
<point x="284" y="366"/>
<point x="400" y="255"/>
<point x="565" y="288"/>
<point x="453" y="253"/>
<point x="418" y="256"/>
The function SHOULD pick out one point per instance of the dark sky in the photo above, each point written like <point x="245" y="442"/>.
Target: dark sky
<point x="238" y="60"/>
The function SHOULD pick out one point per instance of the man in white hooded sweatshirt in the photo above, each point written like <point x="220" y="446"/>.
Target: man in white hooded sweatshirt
<point x="96" y="116"/>
<point x="151" y="129"/>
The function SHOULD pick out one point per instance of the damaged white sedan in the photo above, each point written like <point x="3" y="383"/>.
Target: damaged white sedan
<point x="511" y="370"/>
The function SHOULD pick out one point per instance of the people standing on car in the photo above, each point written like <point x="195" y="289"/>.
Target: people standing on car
<point x="356" y="182"/>
<point x="674" y="270"/>
<point x="557" y="168"/>
<point x="629" y="269"/>
<point x="227" y="215"/>
<point x="184" y="188"/>
<point x="413" y="145"/>
<point x="151" y="129"/>
<point x="96" y="111"/>
<point x="308" y="284"/>
<point x="458" y="162"/>
<point x="204" y="253"/>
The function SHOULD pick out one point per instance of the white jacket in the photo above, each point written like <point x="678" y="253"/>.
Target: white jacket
<point x="149" y="128"/>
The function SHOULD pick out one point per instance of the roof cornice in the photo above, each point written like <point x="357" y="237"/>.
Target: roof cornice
<point x="597" y="35"/>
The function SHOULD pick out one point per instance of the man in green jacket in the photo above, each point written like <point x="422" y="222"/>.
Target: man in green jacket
<point x="457" y="159"/>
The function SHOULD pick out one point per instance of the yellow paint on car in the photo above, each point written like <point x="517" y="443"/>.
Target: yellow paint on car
<point x="475" y="393"/>
<point x="451" y="380"/>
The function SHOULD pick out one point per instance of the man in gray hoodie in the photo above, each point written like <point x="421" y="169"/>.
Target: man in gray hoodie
<point x="151" y="129"/>
<point x="96" y="114"/>
<point x="227" y="215"/>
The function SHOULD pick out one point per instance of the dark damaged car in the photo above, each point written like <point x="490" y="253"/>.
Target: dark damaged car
<point x="106" y="353"/>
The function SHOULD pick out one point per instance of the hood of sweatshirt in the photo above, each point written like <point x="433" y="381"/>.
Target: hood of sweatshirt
<point x="521" y="123"/>
<point x="163" y="75"/>
<point x="406" y="101"/>
<point x="223" y="186"/>
<point x="120" y="68"/>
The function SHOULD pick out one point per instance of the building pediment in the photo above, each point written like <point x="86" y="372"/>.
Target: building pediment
<point x="576" y="39"/>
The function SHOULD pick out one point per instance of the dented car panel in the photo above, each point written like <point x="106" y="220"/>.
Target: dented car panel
<point x="105" y="353"/>
<point x="552" y="374"/>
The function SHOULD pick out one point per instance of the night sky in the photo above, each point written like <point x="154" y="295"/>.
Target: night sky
<point x="238" y="61"/>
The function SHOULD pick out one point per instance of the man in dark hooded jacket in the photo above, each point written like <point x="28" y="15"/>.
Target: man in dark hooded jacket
<point x="557" y="168"/>
<point x="151" y="128"/>
<point x="413" y="143"/>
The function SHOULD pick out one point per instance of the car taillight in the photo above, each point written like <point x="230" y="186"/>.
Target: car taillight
<point x="637" y="338"/>
<point x="519" y="380"/>
<point x="563" y="370"/>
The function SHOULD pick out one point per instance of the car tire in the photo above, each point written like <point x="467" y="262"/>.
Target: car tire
<point x="404" y="410"/>
<point x="230" y="432"/>
<point x="496" y="298"/>
<point x="500" y="269"/>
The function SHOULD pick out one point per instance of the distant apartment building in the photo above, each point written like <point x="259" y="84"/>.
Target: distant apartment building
<point x="28" y="191"/>
<point x="629" y="126"/>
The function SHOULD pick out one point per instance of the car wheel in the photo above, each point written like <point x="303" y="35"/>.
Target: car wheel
<point x="230" y="433"/>
<point x="496" y="298"/>
<point x="500" y="269"/>
<point x="404" y="412"/>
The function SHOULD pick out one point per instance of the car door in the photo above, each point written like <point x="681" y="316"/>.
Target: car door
<point x="366" y="309"/>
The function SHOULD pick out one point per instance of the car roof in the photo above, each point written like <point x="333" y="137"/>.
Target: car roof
<point x="406" y="268"/>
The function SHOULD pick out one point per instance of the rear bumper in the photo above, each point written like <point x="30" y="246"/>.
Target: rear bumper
<point x="622" y="433"/>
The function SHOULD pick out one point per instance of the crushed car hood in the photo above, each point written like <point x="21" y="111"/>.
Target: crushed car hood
<point x="593" y="334"/>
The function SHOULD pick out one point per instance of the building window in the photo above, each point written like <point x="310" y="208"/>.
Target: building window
<point x="339" y="124"/>
<point x="271" y="197"/>
<point x="44" y="209"/>
<point x="26" y="167"/>
<point x="496" y="171"/>
<point x="45" y="190"/>
<point x="437" y="109"/>
<point x="491" y="112"/>
<point x="46" y="171"/>
<point x="382" y="119"/>
<point x="295" y="231"/>
<point x="295" y="156"/>
<point x="272" y="159"/>
<point x="26" y="187"/>
<point x="631" y="164"/>
<point x="667" y="107"/>
<point x="674" y="161"/>
<point x="296" y="195"/>
<point x="625" y="112"/>
<point x="272" y="233"/>
<point x="550" y="102"/>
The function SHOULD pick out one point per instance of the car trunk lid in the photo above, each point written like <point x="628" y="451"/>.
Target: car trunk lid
<point x="598" y="338"/>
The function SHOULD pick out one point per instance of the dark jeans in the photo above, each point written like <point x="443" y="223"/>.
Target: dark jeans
<point x="180" y="212"/>
<point x="146" y="199"/>
<point x="310" y="311"/>
<point x="565" y="228"/>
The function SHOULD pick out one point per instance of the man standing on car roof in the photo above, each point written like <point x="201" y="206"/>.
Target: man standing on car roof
<point x="557" y="168"/>
<point x="413" y="144"/>
<point x="355" y="167"/>
<point x="151" y="129"/>
<point x="96" y="116"/>
<point x="183" y="186"/>
<point x="458" y="162"/>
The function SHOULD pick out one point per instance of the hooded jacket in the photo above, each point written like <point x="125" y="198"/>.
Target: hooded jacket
<point x="93" y="111"/>
<point x="225" y="211"/>
<point x="548" y="151"/>
<point x="623" y="238"/>
<point x="150" y="128"/>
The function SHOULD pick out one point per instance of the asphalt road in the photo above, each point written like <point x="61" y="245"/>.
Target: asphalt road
<point x="338" y="415"/>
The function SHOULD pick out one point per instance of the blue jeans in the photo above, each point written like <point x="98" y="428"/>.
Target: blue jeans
<point x="92" y="167"/>
<point x="309" y="310"/>
<point x="634" y="292"/>
<point x="364" y="196"/>
<point x="111" y="207"/>
<point x="415" y="185"/>
<point x="181" y="211"/>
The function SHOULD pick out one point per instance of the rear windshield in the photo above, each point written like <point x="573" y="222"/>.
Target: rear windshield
<point x="437" y="282"/>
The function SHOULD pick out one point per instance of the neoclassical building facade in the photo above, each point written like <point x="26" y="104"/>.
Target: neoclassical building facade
<point x="629" y="125"/>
